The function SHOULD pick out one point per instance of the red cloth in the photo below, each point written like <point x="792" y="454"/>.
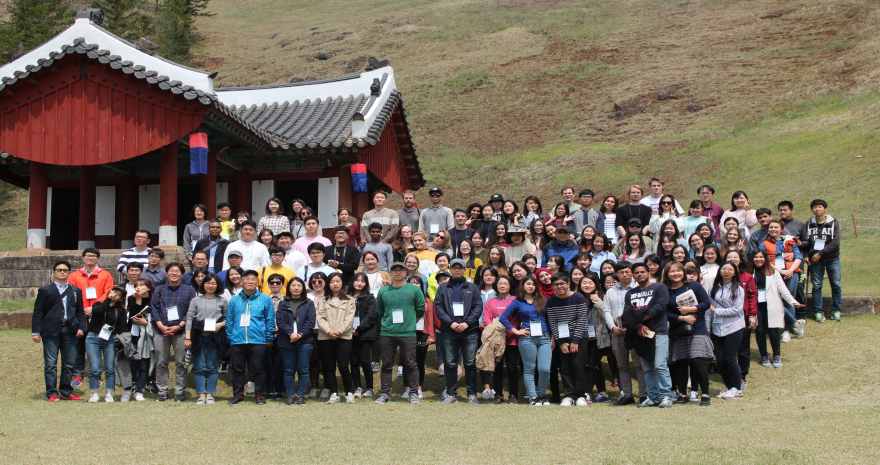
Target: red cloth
<point x="546" y="289"/>
<point x="750" y="304"/>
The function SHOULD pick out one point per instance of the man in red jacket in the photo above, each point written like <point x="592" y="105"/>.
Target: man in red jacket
<point x="95" y="283"/>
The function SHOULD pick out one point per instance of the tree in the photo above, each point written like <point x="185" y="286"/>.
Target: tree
<point x="32" y="22"/>
<point x="126" y="18"/>
<point x="177" y="27"/>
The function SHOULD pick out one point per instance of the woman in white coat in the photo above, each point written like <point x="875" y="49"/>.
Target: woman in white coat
<point x="771" y="313"/>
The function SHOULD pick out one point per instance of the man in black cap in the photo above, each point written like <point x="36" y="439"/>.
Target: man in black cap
<point x="634" y="225"/>
<point x="435" y="218"/>
<point x="497" y="203"/>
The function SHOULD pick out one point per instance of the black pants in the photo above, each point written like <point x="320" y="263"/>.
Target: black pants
<point x="315" y="367"/>
<point x="572" y="367"/>
<point x="421" y="354"/>
<point x="744" y="353"/>
<point x="377" y="352"/>
<point x="554" y="374"/>
<point x="593" y="374"/>
<point x="274" y="370"/>
<point x="361" y="355"/>
<point x="254" y="358"/>
<point x="510" y="359"/>
<point x="725" y="355"/>
<point x="389" y="345"/>
<point x="336" y="353"/>
<point x="699" y="375"/>
<point x="612" y="363"/>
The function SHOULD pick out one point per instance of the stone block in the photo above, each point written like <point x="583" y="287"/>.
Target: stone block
<point x="25" y="278"/>
<point x="850" y="305"/>
<point x="19" y="320"/>
<point x="4" y="320"/>
<point x="18" y="293"/>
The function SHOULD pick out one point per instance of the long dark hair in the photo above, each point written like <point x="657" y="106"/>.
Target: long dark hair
<point x="734" y="196"/>
<point x="305" y="289"/>
<point x="767" y="269"/>
<point x="600" y="289"/>
<point x="539" y="211"/>
<point x="229" y="285"/>
<point x="504" y="217"/>
<point x="719" y="281"/>
<point x="628" y="249"/>
<point x="602" y="207"/>
<point x="328" y="293"/>
<point x="358" y="293"/>
<point x="235" y="221"/>
<point x="540" y="300"/>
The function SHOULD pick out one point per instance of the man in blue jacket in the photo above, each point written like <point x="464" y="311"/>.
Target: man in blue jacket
<point x="562" y="245"/>
<point x="250" y="327"/>
<point x="459" y="306"/>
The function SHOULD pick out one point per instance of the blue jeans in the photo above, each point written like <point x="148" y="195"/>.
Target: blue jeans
<point x="657" y="370"/>
<point x="296" y="362"/>
<point x="438" y="340"/>
<point x="817" y="272"/>
<point x="536" y="354"/>
<point x="139" y="369"/>
<point x="66" y="344"/>
<point x="205" y="368"/>
<point x="458" y="346"/>
<point x="790" y="317"/>
<point x="97" y="348"/>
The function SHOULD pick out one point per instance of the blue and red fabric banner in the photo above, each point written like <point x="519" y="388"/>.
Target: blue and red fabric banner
<point x="198" y="153"/>
<point x="359" y="177"/>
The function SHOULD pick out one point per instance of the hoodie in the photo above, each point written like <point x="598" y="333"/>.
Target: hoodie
<point x="830" y="232"/>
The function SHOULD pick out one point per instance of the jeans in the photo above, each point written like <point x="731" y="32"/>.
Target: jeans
<point x="389" y="345"/>
<point x="817" y="272"/>
<point x="96" y="349"/>
<point x="536" y="354"/>
<point x="296" y="363"/>
<point x="336" y="353"/>
<point x="792" y="285"/>
<point x="79" y="364"/>
<point x="725" y="355"/>
<point x="438" y="341"/>
<point x="205" y="368"/>
<point x="65" y="343"/>
<point x="460" y="346"/>
<point x="657" y="378"/>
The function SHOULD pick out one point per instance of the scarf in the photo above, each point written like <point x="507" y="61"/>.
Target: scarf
<point x="546" y="289"/>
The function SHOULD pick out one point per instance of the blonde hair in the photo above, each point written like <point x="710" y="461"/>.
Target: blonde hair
<point x="634" y="186"/>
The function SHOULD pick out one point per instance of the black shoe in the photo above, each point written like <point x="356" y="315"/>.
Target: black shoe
<point x="713" y="368"/>
<point x="301" y="400"/>
<point x="161" y="398"/>
<point x="152" y="388"/>
<point x="498" y="400"/>
<point x="556" y="400"/>
<point x="624" y="400"/>
<point x="179" y="398"/>
<point x="261" y="399"/>
<point x="705" y="401"/>
<point x="236" y="400"/>
<point x="642" y="399"/>
<point x="290" y="400"/>
<point x="511" y="400"/>
<point x="682" y="399"/>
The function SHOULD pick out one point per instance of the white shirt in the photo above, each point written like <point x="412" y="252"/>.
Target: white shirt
<point x="253" y="254"/>
<point x="294" y="259"/>
<point x="655" y="202"/>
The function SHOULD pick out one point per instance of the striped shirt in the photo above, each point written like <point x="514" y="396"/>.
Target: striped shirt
<point x="387" y="218"/>
<point x="133" y="256"/>
<point x="572" y="311"/>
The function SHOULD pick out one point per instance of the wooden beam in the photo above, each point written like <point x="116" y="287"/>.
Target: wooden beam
<point x="229" y="161"/>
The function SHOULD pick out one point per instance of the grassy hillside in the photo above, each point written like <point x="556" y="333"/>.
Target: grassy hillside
<point x="775" y="97"/>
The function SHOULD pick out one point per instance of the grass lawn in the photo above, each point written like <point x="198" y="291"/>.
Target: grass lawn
<point x="821" y="407"/>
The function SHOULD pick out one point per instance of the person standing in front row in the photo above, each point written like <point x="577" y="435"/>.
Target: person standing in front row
<point x="170" y="304"/>
<point x="459" y="306"/>
<point x="95" y="283"/>
<point x="58" y="321"/>
<point x="250" y="326"/>
<point x="613" y="307"/>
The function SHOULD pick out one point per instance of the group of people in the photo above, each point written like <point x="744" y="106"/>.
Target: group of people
<point x="501" y="292"/>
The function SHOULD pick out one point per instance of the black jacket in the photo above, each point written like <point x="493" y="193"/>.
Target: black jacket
<point x="473" y="306"/>
<point x="366" y="311"/>
<point x="203" y="245"/>
<point x="48" y="311"/>
<point x="305" y="322"/>
<point x="350" y="260"/>
<point x="102" y="314"/>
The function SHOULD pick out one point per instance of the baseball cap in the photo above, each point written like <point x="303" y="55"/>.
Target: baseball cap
<point x="251" y="272"/>
<point x="634" y="222"/>
<point x="457" y="261"/>
<point x="397" y="265"/>
<point x="234" y="252"/>
<point x="435" y="190"/>
<point x="496" y="198"/>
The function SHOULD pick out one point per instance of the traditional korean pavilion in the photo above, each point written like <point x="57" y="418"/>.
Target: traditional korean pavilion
<point x="98" y="130"/>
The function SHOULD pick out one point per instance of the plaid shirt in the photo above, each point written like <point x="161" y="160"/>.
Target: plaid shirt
<point x="277" y="224"/>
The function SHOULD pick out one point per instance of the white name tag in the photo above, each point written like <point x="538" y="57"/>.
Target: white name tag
<point x="420" y="325"/>
<point x="357" y="322"/>
<point x="172" y="313"/>
<point x="780" y="262"/>
<point x="91" y="293"/>
<point x="210" y="325"/>
<point x="457" y="309"/>
<point x="818" y="245"/>
<point x="434" y="228"/>
<point x="717" y="319"/>
<point x="397" y="316"/>
<point x="135" y="330"/>
<point x="535" y="329"/>
<point x="563" y="331"/>
<point x="620" y="310"/>
<point x="762" y="295"/>
<point x="105" y="333"/>
<point x="295" y="330"/>
<point x="375" y="292"/>
<point x="591" y="331"/>
<point x="244" y="321"/>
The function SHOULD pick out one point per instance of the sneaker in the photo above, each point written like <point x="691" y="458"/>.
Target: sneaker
<point x="76" y="381"/>
<point x="497" y="400"/>
<point x="358" y="393"/>
<point x="777" y="362"/>
<point x="600" y="398"/>
<point x="786" y="337"/>
<point x="414" y="400"/>
<point x="488" y="394"/>
<point x="261" y="399"/>
<point x="334" y="399"/>
<point x="695" y="396"/>
<point x="642" y="399"/>
<point x="450" y="400"/>
<point x="179" y="398"/>
<point x="161" y="397"/>
<point x="236" y="400"/>
<point x="744" y="384"/>
<point x="421" y="395"/>
<point x="440" y="371"/>
<point x="624" y="400"/>
<point x="732" y="393"/>
<point x="109" y="398"/>
<point x="583" y="402"/>
<point x="472" y="399"/>
<point x="224" y="367"/>
<point x="705" y="401"/>
<point x="301" y="400"/>
<point x="835" y="316"/>
<point x="567" y="402"/>
<point x="511" y="400"/>
<point x="94" y="397"/>
<point x="369" y="393"/>
<point x="201" y="401"/>
<point x="405" y="395"/>
<point x="535" y="402"/>
<point x="325" y="393"/>
<point x="375" y="367"/>
<point x="126" y="396"/>
<point x="798" y="329"/>
<point x="290" y="400"/>
<point x="210" y="400"/>
<point x="544" y="401"/>
<point x="152" y="387"/>
<point x="765" y="361"/>
<point x="443" y="394"/>
<point x="70" y="397"/>
<point x="250" y="388"/>
<point x="666" y="403"/>
<point x="722" y="394"/>
<point x="313" y="392"/>
<point x="682" y="399"/>
<point x="383" y="399"/>
<point x="647" y="403"/>
<point x="53" y="398"/>
<point x="820" y="317"/>
<point x="803" y="325"/>
<point x="399" y="371"/>
<point x="349" y="398"/>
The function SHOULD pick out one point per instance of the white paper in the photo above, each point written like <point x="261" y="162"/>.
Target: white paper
<point x="535" y="329"/>
<point x="687" y="299"/>
<point x="375" y="292"/>
<point x="172" y="313"/>
<point x="105" y="333"/>
<point x="780" y="262"/>
<point x="357" y="322"/>
<point x="295" y="330"/>
<point x="563" y="331"/>
<point x="819" y="244"/>
<point x="420" y="325"/>
<point x="135" y="330"/>
<point x="434" y="228"/>
<point x="210" y="325"/>
<point x="591" y="331"/>
<point x="244" y="321"/>
<point x="762" y="295"/>
<point x="91" y="293"/>
<point x="717" y="319"/>
<point x="397" y="316"/>
<point x="457" y="309"/>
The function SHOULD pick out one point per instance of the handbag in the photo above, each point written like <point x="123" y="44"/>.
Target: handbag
<point x="679" y="329"/>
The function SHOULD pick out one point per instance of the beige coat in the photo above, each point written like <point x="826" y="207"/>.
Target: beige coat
<point x="603" y="336"/>
<point x="776" y="291"/>
<point x="335" y="317"/>
<point x="494" y="339"/>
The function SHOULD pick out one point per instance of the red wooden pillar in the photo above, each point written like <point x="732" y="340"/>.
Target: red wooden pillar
<point x="168" y="196"/>
<point x="241" y="183"/>
<point x="87" y="197"/>
<point x="38" y="196"/>
<point x="128" y="211"/>
<point x="209" y="185"/>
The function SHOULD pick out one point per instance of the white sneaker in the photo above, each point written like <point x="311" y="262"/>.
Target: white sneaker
<point x="581" y="402"/>
<point x="722" y="394"/>
<point x="567" y="402"/>
<point x="786" y="337"/>
<point x="440" y="371"/>
<point x="421" y="396"/>
<point x="443" y="395"/>
<point x="405" y="395"/>
<point x="109" y="398"/>
<point x="799" y="332"/>
<point x="732" y="393"/>
<point x="695" y="396"/>
<point x="325" y="393"/>
<point x="250" y="387"/>
<point x="94" y="397"/>
<point x="334" y="399"/>
<point x="126" y="396"/>
<point x="545" y="402"/>
<point x="358" y="392"/>
<point x="138" y="397"/>
<point x="488" y="394"/>
<point x="349" y="398"/>
<point x="744" y="384"/>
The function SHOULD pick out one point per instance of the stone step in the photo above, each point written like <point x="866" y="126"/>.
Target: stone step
<point x="108" y="260"/>
<point x="18" y="293"/>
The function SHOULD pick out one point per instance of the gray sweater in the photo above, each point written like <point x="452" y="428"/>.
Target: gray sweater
<point x="202" y="307"/>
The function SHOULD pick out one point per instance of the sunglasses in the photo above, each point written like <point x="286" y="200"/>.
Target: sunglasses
<point x="666" y="203"/>
<point x="274" y="283"/>
<point x="62" y="270"/>
<point x="315" y="281"/>
<point x="436" y="195"/>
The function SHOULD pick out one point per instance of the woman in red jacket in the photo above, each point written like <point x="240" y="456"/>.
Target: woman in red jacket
<point x="747" y="281"/>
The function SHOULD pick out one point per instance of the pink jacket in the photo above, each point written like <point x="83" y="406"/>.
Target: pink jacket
<point x="493" y="309"/>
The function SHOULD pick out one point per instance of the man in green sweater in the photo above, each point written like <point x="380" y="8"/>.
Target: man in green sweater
<point x="400" y="306"/>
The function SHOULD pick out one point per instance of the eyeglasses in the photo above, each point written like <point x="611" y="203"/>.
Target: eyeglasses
<point x="90" y="255"/>
<point x="62" y="270"/>
<point x="559" y="284"/>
